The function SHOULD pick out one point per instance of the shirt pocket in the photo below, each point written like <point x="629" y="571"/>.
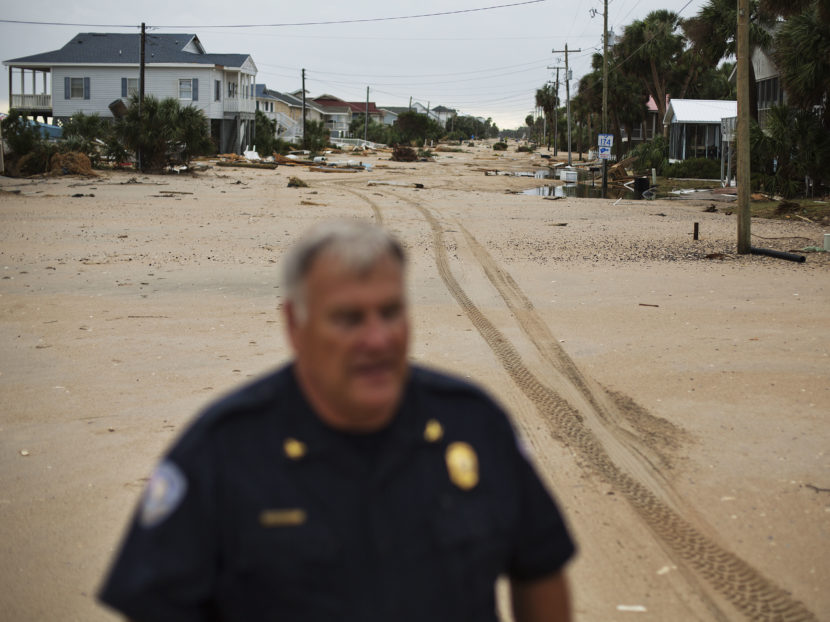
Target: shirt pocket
<point x="289" y="546"/>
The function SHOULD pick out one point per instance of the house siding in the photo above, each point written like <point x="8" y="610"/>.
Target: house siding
<point x="105" y="86"/>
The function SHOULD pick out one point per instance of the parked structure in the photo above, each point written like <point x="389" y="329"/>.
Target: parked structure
<point x="694" y="127"/>
<point x="94" y="70"/>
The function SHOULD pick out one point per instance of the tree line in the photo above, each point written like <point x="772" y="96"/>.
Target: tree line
<point x="163" y="132"/>
<point x="663" y="55"/>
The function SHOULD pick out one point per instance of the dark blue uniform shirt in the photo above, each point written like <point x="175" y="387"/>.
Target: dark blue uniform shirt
<point x="261" y="512"/>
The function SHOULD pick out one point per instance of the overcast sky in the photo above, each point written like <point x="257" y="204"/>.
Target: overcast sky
<point x="486" y="62"/>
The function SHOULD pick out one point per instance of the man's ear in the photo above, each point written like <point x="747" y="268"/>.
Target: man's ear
<point x="289" y="312"/>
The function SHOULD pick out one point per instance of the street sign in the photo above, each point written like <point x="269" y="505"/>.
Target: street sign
<point x="604" y="143"/>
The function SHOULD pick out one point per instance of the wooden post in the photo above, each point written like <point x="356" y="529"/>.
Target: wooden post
<point x="141" y="63"/>
<point x="2" y="156"/>
<point x="305" y="140"/>
<point x="605" y="94"/>
<point x="743" y="128"/>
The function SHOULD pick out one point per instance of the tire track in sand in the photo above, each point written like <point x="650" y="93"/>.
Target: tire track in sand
<point x="756" y="596"/>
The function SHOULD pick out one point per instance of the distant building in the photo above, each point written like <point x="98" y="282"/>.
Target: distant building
<point x="287" y="111"/>
<point x="694" y="127"/>
<point x="92" y="72"/>
<point x="338" y="113"/>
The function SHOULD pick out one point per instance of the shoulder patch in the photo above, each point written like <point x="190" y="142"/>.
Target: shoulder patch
<point x="165" y="491"/>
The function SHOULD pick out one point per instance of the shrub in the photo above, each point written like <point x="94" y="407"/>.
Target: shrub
<point x="653" y="154"/>
<point x="524" y="149"/>
<point x="695" y="168"/>
<point x="500" y="147"/>
<point x="316" y="137"/>
<point x="86" y="133"/>
<point x="21" y="135"/>
<point x="163" y="131"/>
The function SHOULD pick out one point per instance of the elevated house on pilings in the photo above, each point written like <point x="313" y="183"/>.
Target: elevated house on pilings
<point x="96" y="72"/>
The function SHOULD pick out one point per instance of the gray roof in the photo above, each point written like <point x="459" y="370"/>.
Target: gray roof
<point x="262" y="91"/>
<point x="104" y="48"/>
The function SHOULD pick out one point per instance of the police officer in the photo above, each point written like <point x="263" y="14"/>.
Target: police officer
<point x="348" y="485"/>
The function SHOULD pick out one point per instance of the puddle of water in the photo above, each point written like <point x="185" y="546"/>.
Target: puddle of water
<point x="578" y="191"/>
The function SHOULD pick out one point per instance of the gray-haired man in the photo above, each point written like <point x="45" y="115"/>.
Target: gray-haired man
<point x="348" y="485"/>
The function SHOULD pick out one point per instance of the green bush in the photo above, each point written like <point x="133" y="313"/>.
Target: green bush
<point x="21" y="135"/>
<point x="316" y="137"/>
<point x="164" y="131"/>
<point x="653" y="154"/>
<point x="265" y="130"/>
<point x="500" y="147"/>
<point x="696" y="168"/>
<point x="87" y="133"/>
<point x="524" y="149"/>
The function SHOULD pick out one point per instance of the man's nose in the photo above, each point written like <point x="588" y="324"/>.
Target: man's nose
<point x="376" y="331"/>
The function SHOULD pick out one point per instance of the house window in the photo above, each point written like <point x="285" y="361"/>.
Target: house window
<point x="232" y="89"/>
<point x="186" y="89"/>
<point x="132" y="87"/>
<point x="217" y="90"/>
<point x="76" y="88"/>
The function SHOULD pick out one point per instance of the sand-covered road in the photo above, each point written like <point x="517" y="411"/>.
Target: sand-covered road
<point x="676" y="404"/>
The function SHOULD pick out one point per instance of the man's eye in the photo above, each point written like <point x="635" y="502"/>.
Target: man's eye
<point x="348" y="318"/>
<point x="391" y="312"/>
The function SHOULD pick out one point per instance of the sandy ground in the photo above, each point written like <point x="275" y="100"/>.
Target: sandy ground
<point x="677" y="404"/>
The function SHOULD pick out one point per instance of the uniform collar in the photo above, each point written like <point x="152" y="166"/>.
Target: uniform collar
<point x="311" y="437"/>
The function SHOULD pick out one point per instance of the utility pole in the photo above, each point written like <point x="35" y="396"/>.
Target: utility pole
<point x="366" y="120"/>
<point x="556" y="117"/>
<point x="568" y="95"/>
<point x="305" y="142"/>
<point x="141" y="64"/>
<point x="605" y="93"/>
<point x="2" y="163"/>
<point x="743" y="128"/>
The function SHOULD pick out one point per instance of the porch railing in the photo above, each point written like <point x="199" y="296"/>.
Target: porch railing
<point x="239" y="105"/>
<point x="32" y="102"/>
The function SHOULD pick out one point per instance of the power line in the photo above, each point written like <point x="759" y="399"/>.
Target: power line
<point x="526" y="66"/>
<point x="285" y="24"/>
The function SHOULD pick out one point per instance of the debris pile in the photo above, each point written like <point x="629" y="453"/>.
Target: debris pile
<point x="402" y="153"/>
<point x="71" y="163"/>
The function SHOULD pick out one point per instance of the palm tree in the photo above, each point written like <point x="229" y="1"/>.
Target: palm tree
<point x="713" y="33"/>
<point x="794" y="7"/>
<point x="802" y="55"/>
<point x="652" y="49"/>
<point x="547" y="100"/>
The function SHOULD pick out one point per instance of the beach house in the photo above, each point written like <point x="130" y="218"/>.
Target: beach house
<point x="96" y="73"/>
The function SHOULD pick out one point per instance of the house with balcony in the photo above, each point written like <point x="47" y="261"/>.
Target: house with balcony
<point x="338" y="114"/>
<point x="287" y="111"/>
<point x="95" y="73"/>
